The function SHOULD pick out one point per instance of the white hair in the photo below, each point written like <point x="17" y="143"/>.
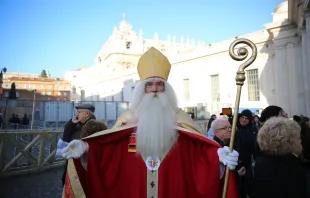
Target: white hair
<point x="217" y="122"/>
<point x="137" y="95"/>
<point x="155" y="116"/>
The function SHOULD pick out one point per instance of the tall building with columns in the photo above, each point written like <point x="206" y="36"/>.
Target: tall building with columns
<point x="203" y="76"/>
<point x="114" y="72"/>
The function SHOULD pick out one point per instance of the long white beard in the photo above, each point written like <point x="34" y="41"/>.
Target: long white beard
<point x="156" y="120"/>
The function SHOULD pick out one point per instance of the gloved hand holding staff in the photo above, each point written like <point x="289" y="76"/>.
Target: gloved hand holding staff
<point x="242" y="54"/>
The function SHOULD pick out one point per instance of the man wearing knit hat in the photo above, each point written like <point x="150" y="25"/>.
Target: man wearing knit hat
<point x="245" y="145"/>
<point x="154" y="150"/>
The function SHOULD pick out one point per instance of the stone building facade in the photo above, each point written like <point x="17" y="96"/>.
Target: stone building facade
<point x="204" y="75"/>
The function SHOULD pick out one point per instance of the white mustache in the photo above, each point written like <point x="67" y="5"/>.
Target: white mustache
<point x="155" y="94"/>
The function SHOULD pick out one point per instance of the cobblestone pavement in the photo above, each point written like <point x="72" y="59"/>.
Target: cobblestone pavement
<point x="44" y="185"/>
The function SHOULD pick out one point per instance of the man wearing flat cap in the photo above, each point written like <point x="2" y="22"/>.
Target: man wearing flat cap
<point x="73" y="127"/>
<point x="154" y="149"/>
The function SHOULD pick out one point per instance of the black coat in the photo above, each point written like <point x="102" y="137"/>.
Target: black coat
<point x="245" y="144"/>
<point x="72" y="131"/>
<point x="280" y="177"/>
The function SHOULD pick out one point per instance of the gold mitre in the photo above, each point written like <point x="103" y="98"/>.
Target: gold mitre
<point x="153" y="64"/>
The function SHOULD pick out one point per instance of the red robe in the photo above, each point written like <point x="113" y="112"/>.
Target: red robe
<point x="189" y="170"/>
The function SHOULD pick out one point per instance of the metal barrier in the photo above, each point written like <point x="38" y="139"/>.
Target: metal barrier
<point x="202" y="126"/>
<point x="23" y="152"/>
<point x="48" y="115"/>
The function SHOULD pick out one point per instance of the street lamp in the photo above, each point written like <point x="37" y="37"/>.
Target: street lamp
<point x="33" y="105"/>
<point x="3" y="71"/>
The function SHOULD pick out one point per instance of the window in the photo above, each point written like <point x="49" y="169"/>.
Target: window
<point x="73" y="90"/>
<point x="186" y="90"/>
<point x="43" y="93"/>
<point x="112" y="95"/>
<point x="58" y="93"/>
<point x="48" y="93"/>
<point x="42" y="86"/>
<point x="253" y="85"/>
<point x="82" y="95"/>
<point x="128" y="44"/>
<point x="215" y="88"/>
<point x="127" y="65"/>
<point x="65" y="93"/>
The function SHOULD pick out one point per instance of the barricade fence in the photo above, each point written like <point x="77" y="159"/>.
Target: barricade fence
<point x="53" y="114"/>
<point x="23" y="152"/>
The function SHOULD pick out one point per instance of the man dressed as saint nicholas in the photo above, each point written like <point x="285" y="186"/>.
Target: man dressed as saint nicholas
<point x="154" y="150"/>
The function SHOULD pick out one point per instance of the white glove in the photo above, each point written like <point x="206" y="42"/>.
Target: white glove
<point x="228" y="158"/>
<point x="60" y="145"/>
<point x="75" y="149"/>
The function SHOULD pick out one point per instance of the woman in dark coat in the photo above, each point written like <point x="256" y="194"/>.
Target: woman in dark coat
<point x="280" y="172"/>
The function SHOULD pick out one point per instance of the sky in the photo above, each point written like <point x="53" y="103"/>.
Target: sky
<point x="63" y="35"/>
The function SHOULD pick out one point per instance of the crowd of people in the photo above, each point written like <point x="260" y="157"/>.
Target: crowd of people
<point x="273" y="152"/>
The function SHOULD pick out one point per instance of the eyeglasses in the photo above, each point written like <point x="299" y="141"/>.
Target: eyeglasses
<point x="156" y="84"/>
<point x="226" y="128"/>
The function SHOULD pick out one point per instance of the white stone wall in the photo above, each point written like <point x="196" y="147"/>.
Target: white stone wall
<point x="282" y="63"/>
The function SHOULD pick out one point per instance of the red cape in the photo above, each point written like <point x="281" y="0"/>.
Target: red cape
<point x="190" y="169"/>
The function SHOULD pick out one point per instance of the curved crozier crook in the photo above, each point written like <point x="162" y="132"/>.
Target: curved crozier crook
<point x="243" y="52"/>
<point x="240" y="78"/>
<point x="242" y="55"/>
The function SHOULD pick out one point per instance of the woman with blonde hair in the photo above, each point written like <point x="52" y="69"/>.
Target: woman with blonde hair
<point x="280" y="172"/>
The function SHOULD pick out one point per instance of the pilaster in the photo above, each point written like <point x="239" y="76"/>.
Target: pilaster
<point x="306" y="60"/>
<point x="281" y="76"/>
<point x="288" y="70"/>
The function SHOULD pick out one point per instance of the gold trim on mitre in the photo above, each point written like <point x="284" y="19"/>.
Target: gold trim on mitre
<point x="153" y="64"/>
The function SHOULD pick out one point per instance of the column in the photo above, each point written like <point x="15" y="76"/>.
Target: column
<point x="306" y="80"/>
<point x="306" y="62"/>
<point x="295" y="77"/>
<point x="282" y="92"/>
